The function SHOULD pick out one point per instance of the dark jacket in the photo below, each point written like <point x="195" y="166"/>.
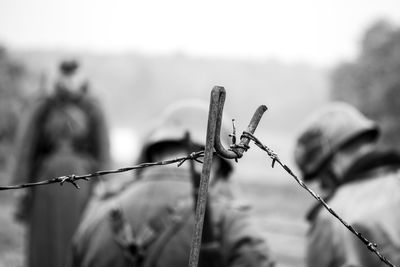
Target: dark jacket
<point x="147" y="203"/>
<point x="62" y="134"/>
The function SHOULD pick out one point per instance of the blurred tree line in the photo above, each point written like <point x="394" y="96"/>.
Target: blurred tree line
<point x="372" y="81"/>
<point x="11" y="102"/>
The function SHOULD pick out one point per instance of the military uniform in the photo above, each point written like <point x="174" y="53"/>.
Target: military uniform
<point x="151" y="222"/>
<point x="149" y="203"/>
<point x="370" y="201"/>
<point x="337" y="147"/>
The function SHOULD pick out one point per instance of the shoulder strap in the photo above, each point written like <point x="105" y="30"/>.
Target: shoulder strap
<point x="179" y="216"/>
<point x="142" y="247"/>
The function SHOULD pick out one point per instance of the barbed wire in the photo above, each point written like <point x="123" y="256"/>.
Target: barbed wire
<point x="373" y="247"/>
<point x="72" y="178"/>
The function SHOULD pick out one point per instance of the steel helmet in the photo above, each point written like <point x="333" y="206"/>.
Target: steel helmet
<point x="177" y="119"/>
<point x="325" y="132"/>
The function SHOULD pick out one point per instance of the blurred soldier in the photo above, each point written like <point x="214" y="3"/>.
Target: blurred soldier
<point x="150" y="222"/>
<point x="337" y="147"/>
<point x="64" y="133"/>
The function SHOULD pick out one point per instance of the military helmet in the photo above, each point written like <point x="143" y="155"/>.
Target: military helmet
<point x="177" y="119"/>
<point x="325" y="132"/>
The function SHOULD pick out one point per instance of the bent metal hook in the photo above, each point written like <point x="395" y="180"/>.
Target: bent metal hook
<point x="213" y="141"/>
<point x="218" y="99"/>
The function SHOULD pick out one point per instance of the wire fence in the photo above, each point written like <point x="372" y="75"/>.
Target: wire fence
<point x="373" y="247"/>
<point x="212" y="142"/>
<point x="72" y="178"/>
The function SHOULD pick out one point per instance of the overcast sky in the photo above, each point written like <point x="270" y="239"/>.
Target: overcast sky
<point x="318" y="32"/>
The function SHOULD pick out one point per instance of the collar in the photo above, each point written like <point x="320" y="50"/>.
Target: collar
<point x="370" y="163"/>
<point x="63" y="95"/>
<point x="367" y="166"/>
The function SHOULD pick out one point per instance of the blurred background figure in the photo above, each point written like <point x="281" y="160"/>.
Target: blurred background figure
<point x="337" y="148"/>
<point x="150" y="222"/>
<point x="11" y="75"/>
<point x="63" y="133"/>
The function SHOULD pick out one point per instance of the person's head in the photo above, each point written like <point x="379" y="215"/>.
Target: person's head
<point x="329" y="142"/>
<point x="68" y="67"/>
<point x="168" y="138"/>
<point x="70" y="81"/>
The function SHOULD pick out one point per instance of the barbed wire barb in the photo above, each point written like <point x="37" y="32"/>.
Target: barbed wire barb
<point x="373" y="247"/>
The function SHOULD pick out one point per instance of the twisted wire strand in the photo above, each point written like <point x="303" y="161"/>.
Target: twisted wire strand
<point x="373" y="247"/>
<point x="72" y="178"/>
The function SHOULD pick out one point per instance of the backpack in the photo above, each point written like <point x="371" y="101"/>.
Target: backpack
<point x="143" y="248"/>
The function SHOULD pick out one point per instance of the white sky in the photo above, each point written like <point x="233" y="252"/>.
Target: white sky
<point x="315" y="31"/>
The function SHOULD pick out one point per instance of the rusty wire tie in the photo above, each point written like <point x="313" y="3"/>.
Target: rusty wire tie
<point x="213" y="141"/>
